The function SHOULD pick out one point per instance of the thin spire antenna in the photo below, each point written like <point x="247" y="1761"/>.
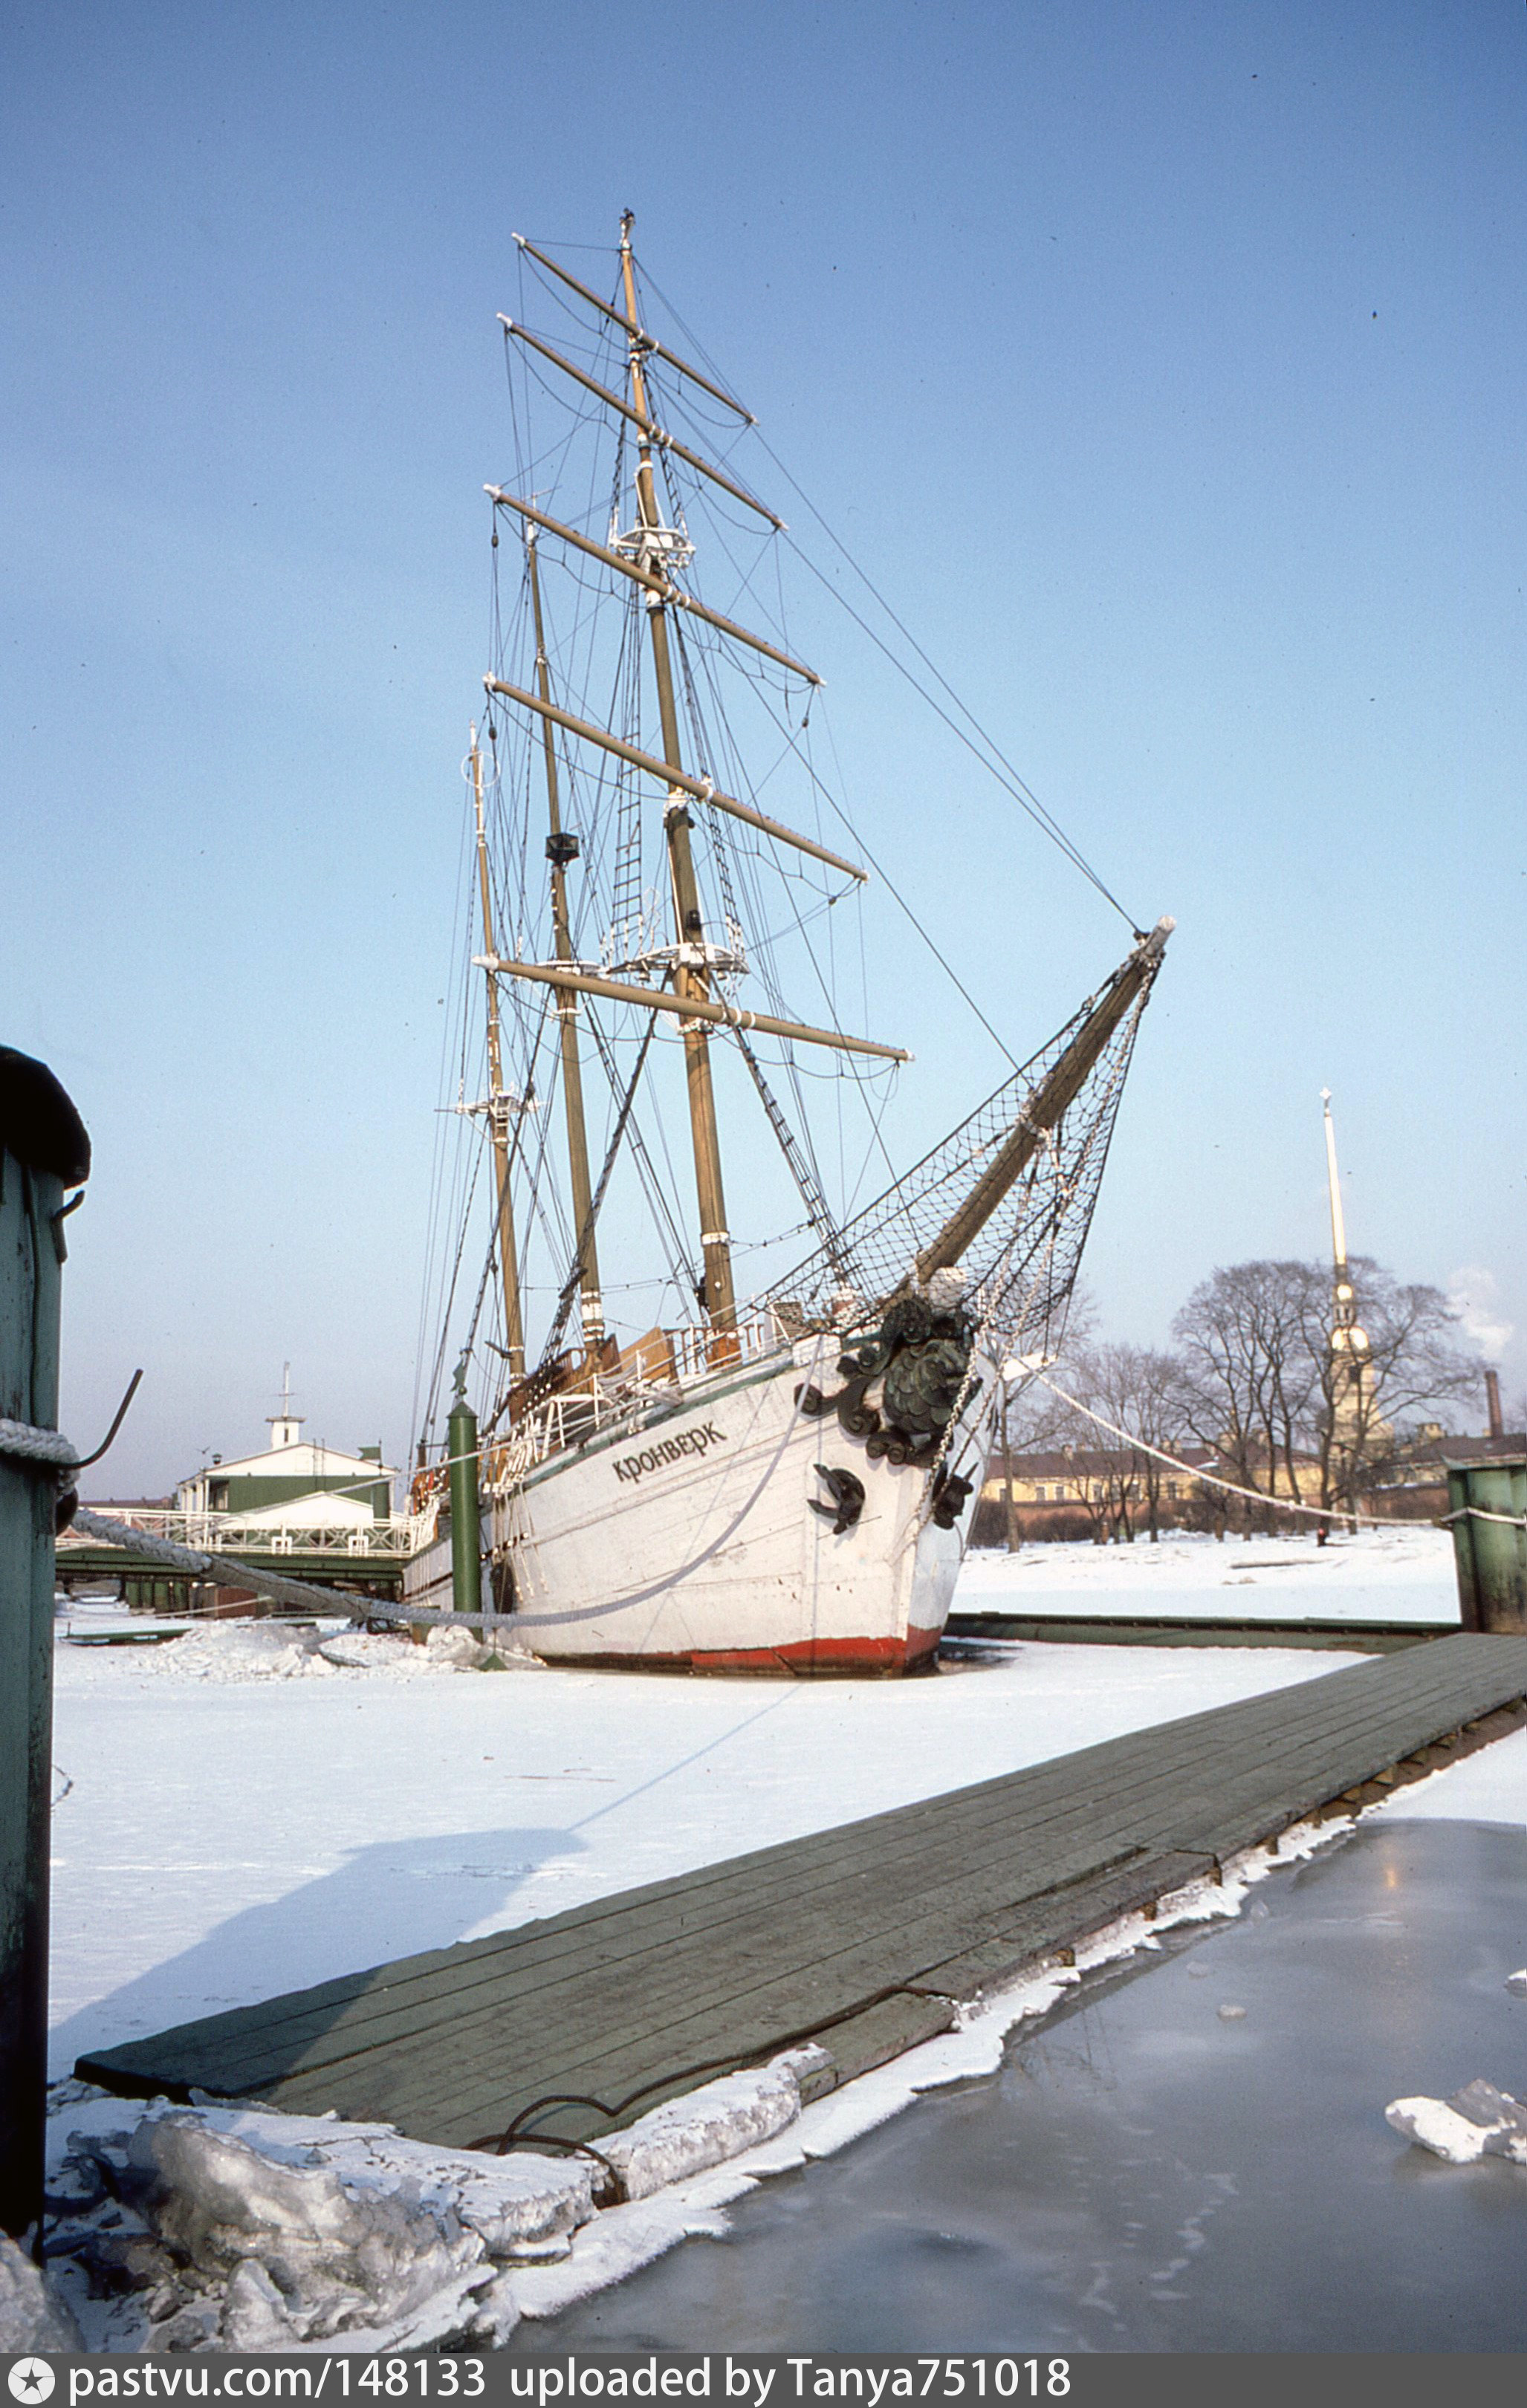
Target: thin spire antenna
<point x="1349" y="1348"/>
<point x="1338" y="1222"/>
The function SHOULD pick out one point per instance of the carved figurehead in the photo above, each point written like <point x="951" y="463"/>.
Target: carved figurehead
<point x="920" y="1355"/>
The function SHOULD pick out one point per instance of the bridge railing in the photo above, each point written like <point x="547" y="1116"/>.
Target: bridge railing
<point x="227" y="1534"/>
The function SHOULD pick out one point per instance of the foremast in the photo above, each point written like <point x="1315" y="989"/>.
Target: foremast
<point x="501" y="1104"/>
<point x="561" y="849"/>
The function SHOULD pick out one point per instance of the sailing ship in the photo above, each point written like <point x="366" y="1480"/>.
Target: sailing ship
<point x="775" y="1480"/>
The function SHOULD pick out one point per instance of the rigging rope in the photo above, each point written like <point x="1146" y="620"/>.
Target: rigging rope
<point x="891" y="888"/>
<point x="570" y="1285"/>
<point x="1004" y="774"/>
<point x="681" y="1269"/>
<point x="998" y="767"/>
<point x="818" y="1211"/>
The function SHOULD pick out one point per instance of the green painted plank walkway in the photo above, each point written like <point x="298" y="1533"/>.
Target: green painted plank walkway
<point x="866" y="1936"/>
<point x="1194" y="1630"/>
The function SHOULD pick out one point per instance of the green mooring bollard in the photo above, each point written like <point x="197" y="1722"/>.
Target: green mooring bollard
<point x="1490" y="1556"/>
<point x="43" y="1150"/>
<point x="466" y="1512"/>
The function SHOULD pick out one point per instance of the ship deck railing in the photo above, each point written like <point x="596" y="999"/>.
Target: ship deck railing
<point x="665" y="1369"/>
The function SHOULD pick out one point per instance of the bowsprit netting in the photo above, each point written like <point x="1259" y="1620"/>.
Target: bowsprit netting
<point x="1022" y="1262"/>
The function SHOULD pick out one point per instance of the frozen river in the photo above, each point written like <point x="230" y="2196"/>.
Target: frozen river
<point x="236" y="1818"/>
<point x="1145" y="2173"/>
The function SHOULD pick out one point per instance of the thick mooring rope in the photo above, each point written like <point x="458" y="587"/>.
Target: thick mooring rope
<point x="1260" y="1496"/>
<point x="26" y="1444"/>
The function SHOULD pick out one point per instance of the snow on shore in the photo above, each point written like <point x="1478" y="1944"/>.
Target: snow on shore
<point x="218" y="1841"/>
<point x="224" y="1832"/>
<point x="1400" y="1574"/>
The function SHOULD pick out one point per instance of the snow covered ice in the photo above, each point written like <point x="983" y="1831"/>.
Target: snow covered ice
<point x="231" y="1831"/>
<point x="1403" y="1574"/>
<point x="253" y="1807"/>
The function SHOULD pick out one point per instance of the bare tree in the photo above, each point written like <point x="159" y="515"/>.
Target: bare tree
<point x="1135" y="1394"/>
<point x="1249" y="1379"/>
<point x="1412" y="1360"/>
<point x="1157" y="1414"/>
<point x="1256" y="1379"/>
<point x="1015" y="1535"/>
<point x="1030" y="1417"/>
<point x="1139" y="1391"/>
<point x="1034" y="1420"/>
<point x="1264" y="1385"/>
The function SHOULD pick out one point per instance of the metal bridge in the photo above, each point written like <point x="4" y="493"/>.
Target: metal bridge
<point x="366" y="1557"/>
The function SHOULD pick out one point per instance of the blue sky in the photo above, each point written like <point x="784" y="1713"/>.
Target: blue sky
<point x="1162" y="363"/>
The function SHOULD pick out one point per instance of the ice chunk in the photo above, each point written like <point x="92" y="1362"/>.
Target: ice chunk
<point x="253" y="2311"/>
<point x="1432" y="2124"/>
<point x="458" y="1647"/>
<point x="1516" y="1984"/>
<point x="454" y="1642"/>
<point x="687" y="2135"/>
<point x="1231" y="2014"/>
<point x="338" y="2255"/>
<point x="1477" y="2121"/>
<point x="280" y="2231"/>
<point x="517" y="2204"/>
<point x="31" y="2316"/>
<point x="1504" y="2118"/>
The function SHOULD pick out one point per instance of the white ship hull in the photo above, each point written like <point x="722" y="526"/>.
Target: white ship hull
<point x="689" y="1538"/>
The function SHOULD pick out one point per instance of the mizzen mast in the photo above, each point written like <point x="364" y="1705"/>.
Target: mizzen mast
<point x="691" y="977"/>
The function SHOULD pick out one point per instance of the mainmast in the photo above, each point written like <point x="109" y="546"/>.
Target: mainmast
<point x="691" y="977"/>
<point x="651" y="555"/>
<point x="499" y="1103"/>
<point x="561" y="849"/>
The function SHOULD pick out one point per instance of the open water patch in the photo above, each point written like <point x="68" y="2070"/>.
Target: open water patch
<point x="1188" y="2155"/>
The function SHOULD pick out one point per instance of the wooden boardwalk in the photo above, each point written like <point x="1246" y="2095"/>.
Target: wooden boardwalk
<point x="865" y="1937"/>
<point x="1196" y="1631"/>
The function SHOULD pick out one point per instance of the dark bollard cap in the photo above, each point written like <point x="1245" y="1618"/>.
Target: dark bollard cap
<point x="38" y="1124"/>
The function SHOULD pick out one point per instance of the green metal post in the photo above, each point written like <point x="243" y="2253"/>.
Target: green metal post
<point x="1490" y="1556"/>
<point x="43" y="1149"/>
<point x="466" y="1512"/>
